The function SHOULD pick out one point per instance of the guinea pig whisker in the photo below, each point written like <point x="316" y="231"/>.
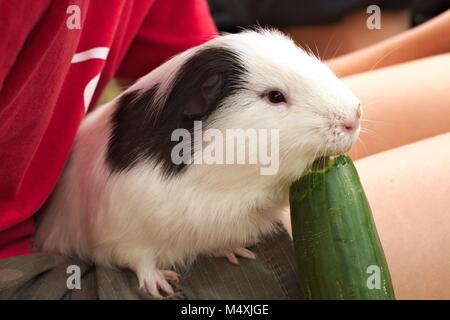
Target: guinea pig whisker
<point x="318" y="53"/>
<point x="384" y="57"/>
<point x="302" y="146"/>
<point x="372" y="121"/>
<point x="336" y="50"/>
<point x="379" y="138"/>
<point x="363" y="144"/>
<point x="319" y="154"/>
<point x="368" y="131"/>
<point x="375" y="122"/>
<point x="306" y="47"/>
<point x="328" y="45"/>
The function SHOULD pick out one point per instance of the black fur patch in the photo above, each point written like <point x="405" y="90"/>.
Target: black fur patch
<point x="199" y="87"/>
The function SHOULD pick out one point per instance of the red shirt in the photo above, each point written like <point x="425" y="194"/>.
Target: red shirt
<point x="51" y="72"/>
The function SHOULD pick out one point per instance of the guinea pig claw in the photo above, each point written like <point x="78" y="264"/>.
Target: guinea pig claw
<point x="165" y="286"/>
<point x="156" y="283"/>
<point x="231" y="255"/>
<point x="171" y="275"/>
<point x="245" y="253"/>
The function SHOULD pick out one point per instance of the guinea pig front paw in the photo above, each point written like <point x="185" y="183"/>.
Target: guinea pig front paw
<point x="154" y="282"/>
<point x="232" y="254"/>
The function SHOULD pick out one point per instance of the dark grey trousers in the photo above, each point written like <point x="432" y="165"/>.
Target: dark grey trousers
<point x="272" y="276"/>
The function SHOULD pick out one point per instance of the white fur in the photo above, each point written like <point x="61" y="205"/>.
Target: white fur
<point x="143" y="221"/>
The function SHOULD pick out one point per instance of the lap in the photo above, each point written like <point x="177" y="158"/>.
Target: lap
<point x="408" y="189"/>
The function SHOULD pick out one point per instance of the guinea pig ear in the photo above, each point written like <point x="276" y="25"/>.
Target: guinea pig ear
<point x="202" y="102"/>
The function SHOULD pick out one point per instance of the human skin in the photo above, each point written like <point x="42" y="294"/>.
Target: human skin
<point x="430" y="38"/>
<point x="402" y="103"/>
<point x="349" y="33"/>
<point x="408" y="189"/>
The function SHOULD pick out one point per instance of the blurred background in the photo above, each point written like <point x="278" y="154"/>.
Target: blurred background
<point x="332" y="27"/>
<point x="329" y="28"/>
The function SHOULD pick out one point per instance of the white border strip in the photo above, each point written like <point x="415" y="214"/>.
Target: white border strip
<point x="94" y="53"/>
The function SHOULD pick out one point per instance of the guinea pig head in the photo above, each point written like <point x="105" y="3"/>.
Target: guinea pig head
<point x="288" y="89"/>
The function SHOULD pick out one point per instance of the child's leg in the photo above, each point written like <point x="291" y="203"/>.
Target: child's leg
<point x="402" y="104"/>
<point x="409" y="191"/>
<point x="428" y="39"/>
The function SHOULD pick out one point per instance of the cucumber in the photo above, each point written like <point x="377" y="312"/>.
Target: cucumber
<point x="336" y="244"/>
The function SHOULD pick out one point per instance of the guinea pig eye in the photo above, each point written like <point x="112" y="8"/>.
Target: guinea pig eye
<point x="275" y="97"/>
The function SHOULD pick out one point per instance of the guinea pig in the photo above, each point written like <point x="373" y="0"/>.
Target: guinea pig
<point x="122" y="200"/>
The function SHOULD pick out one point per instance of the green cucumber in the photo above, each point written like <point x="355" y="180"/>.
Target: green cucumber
<point x="337" y="247"/>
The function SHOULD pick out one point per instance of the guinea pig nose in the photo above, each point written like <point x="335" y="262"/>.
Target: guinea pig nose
<point x="350" y="125"/>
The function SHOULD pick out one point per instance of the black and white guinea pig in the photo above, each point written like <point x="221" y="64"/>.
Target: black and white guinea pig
<point x="122" y="201"/>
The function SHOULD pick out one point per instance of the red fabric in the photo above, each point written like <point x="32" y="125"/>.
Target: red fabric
<point x="43" y="89"/>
